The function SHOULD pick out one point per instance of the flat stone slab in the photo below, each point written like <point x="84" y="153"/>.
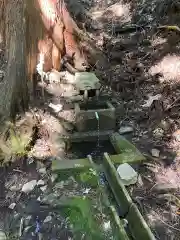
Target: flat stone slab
<point x="125" y="147"/>
<point x="58" y="165"/>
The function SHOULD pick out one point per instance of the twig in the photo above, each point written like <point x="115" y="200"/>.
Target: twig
<point x="167" y="224"/>
<point x="17" y="170"/>
<point x="172" y="104"/>
<point x="170" y="226"/>
<point x="21" y="227"/>
<point x="153" y="187"/>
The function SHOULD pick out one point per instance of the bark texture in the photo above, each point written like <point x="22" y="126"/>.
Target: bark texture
<point x="31" y="27"/>
<point x="14" y="93"/>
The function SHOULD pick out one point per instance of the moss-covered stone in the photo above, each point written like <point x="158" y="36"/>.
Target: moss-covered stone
<point x="126" y="150"/>
<point x="121" y="195"/>
<point x="58" y="165"/>
<point x="137" y="225"/>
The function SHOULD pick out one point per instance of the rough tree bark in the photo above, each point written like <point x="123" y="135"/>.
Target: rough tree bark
<point x="32" y="27"/>
<point x="13" y="93"/>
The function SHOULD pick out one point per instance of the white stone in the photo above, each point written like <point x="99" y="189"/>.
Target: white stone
<point x="29" y="186"/>
<point x="126" y="129"/>
<point x="40" y="183"/>
<point x="86" y="191"/>
<point x="106" y="225"/>
<point x="54" y="177"/>
<point x="155" y="152"/>
<point x="15" y="188"/>
<point x="158" y="133"/>
<point x="43" y="189"/>
<point x="56" y="107"/>
<point x="47" y="219"/>
<point x="2" y="235"/>
<point x="127" y="174"/>
<point x="12" y="206"/>
<point x="39" y="199"/>
<point x="125" y="222"/>
<point x="42" y="170"/>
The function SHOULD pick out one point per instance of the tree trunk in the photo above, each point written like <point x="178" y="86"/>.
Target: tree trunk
<point x="14" y="93"/>
<point x="29" y="28"/>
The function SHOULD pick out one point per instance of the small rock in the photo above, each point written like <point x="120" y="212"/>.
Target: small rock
<point x="54" y="177"/>
<point x="39" y="199"/>
<point x="47" y="219"/>
<point x="106" y="225"/>
<point x="126" y="129"/>
<point x="2" y="235"/>
<point x="155" y="152"/>
<point x="127" y="174"/>
<point x="86" y="191"/>
<point x="57" y="108"/>
<point x="125" y="222"/>
<point x="158" y="133"/>
<point x="29" y="186"/>
<point x="30" y="160"/>
<point x="12" y="206"/>
<point x="43" y="189"/>
<point x="165" y="125"/>
<point x="40" y="183"/>
<point x="42" y="171"/>
<point x="15" y="188"/>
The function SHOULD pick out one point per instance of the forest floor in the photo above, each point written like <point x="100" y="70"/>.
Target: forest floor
<point x="143" y="75"/>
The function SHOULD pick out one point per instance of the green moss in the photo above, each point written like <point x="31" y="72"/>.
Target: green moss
<point x="81" y="217"/>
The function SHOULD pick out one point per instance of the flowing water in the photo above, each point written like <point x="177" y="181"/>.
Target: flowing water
<point x="97" y="152"/>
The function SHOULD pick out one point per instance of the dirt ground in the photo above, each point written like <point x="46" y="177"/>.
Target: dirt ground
<point x="142" y="74"/>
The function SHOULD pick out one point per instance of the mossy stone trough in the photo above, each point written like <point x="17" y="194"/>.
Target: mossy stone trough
<point x="126" y="152"/>
<point x="86" y="119"/>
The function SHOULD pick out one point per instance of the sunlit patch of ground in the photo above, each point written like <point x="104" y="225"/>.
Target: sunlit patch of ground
<point x="157" y="41"/>
<point x="168" y="67"/>
<point x="119" y="11"/>
<point x="168" y="175"/>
